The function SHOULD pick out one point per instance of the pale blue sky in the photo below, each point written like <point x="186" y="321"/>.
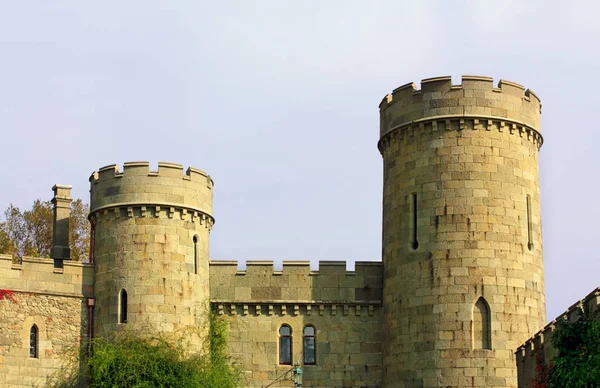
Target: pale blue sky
<point x="278" y="102"/>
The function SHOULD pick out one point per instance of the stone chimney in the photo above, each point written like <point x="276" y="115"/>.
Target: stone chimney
<point x="61" y="204"/>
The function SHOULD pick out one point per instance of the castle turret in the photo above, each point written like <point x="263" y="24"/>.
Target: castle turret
<point x="150" y="237"/>
<point x="462" y="242"/>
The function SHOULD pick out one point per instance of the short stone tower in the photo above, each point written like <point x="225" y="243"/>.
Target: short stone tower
<point x="150" y="246"/>
<point x="462" y="243"/>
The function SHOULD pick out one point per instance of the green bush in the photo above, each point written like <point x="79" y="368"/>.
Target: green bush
<point x="576" y="363"/>
<point x="129" y="359"/>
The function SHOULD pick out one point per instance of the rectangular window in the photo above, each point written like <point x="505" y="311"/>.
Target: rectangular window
<point x="309" y="351"/>
<point x="308" y="345"/>
<point x="285" y="351"/>
<point x="285" y="345"/>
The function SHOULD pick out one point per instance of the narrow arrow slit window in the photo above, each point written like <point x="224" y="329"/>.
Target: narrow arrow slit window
<point x="414" y="237"/>
<point x="529" y="231"/>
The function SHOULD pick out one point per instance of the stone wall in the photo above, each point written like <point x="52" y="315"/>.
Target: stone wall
<point x="151" y="232"/>
<point x="540" y="345"/>
<point x="55" y="300"/>
<point x="344" y="307"/>
<point x="462" y="243"/>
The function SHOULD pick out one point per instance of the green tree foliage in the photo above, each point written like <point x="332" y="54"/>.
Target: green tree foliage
<point x="16" y="231"/>
<point x="6" y="245"/>
<point x="38" y="224"/>
<point x="130" y="359"/>
<point x="79" y="231"/>
<point x="220" y="372"/>
<point x="29" y="232"/>
<point x="576" y="363"/>
<point x="134" y="361"/>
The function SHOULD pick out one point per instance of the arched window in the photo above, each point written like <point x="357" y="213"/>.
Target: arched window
<point x="482" y="325"/>
<point x="123" y="306"/>
<point x="285" y="345"/>
<point x="309" y="346"/>
<point x="33" y="342"/>
<point x="195" y="239"/>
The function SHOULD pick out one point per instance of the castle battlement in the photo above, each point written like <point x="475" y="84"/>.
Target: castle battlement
<point x="475" y="97"/>
<point x="37" y="275"/>
<point x="137" y="186"/>
<point x="165" y="169"/>
<point x="296" y="282"/>
<point x="299" y="267"/>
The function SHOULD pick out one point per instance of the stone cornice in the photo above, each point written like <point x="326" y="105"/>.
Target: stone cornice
<point x="154" y="210"/>
<point x="299" y="307"/>
<point x="461" y="122"/>
<point x="43" y="260"/>
<point x="51" y="293"/>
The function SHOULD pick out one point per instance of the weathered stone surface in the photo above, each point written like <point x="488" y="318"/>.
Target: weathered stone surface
<point x="56" y="303"/>
<point x="151" y="240"/>
<point x="472" y="178"/>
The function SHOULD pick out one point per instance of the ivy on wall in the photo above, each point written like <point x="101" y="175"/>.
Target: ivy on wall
<point x="8" y="294"/>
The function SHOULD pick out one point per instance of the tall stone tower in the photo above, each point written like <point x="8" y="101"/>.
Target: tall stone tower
<point x="150" y="246"/>
<point x="462" y="243"/>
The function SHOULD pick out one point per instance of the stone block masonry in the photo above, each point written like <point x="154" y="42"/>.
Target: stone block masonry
<point x="344" y="308"/>
<point x="462" y="246"/>
<point x="52" y="300"/>
<point x="151" y="248"/>
<point x="296" y="282"/>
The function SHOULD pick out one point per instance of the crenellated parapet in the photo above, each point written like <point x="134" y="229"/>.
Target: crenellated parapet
<point x="165" y="169"/>
<point x="39" y="276"/>
<point x="475" y="104"/>
<point x="302" y="267"/>
<point x="540" y="345"/>
<point x="296" y="288"/>
<point x="139" y="192"/>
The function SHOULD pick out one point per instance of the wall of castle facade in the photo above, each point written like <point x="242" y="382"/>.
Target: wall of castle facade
<point x="539" y="347"/>
<point x="54" y="300"/>
<point x="343" y="307"/>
